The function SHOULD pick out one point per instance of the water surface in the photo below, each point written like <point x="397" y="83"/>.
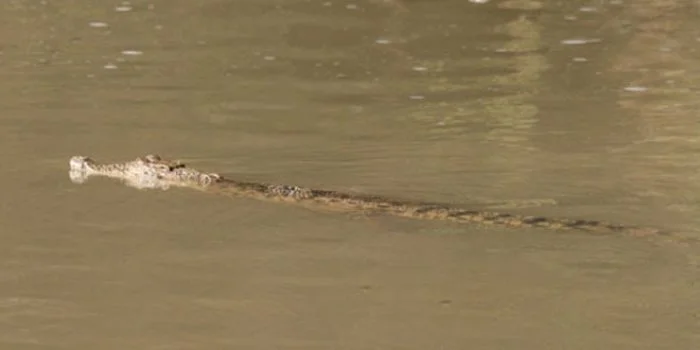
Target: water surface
<point x="583" y="110"/>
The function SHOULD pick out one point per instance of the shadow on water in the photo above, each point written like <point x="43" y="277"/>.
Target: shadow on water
<point x="573" y="109"/>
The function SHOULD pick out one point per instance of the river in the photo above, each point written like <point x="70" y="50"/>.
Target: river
<point x="580" y="109"/>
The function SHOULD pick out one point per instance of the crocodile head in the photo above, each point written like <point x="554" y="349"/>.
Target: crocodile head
<point x="150" y="171"/>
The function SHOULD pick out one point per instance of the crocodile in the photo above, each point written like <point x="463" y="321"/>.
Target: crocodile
<point x="153" y="172"/>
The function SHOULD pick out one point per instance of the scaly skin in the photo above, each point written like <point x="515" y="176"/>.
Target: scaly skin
<point x="152" y="172"/>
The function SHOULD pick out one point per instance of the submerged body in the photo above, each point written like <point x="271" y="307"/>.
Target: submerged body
<point x="153" y="172"/>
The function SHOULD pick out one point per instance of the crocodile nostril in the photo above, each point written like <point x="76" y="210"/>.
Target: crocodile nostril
<point x="78" y="163"/>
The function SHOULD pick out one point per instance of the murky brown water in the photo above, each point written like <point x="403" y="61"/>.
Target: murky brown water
<point x="583" y="110"/>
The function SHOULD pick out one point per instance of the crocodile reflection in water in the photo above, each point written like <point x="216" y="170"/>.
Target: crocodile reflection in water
<point x="153" y="172"/>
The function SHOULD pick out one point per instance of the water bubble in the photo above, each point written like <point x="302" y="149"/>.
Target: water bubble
<point x="579" y="41"/>
<point x="636" y="88"/>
